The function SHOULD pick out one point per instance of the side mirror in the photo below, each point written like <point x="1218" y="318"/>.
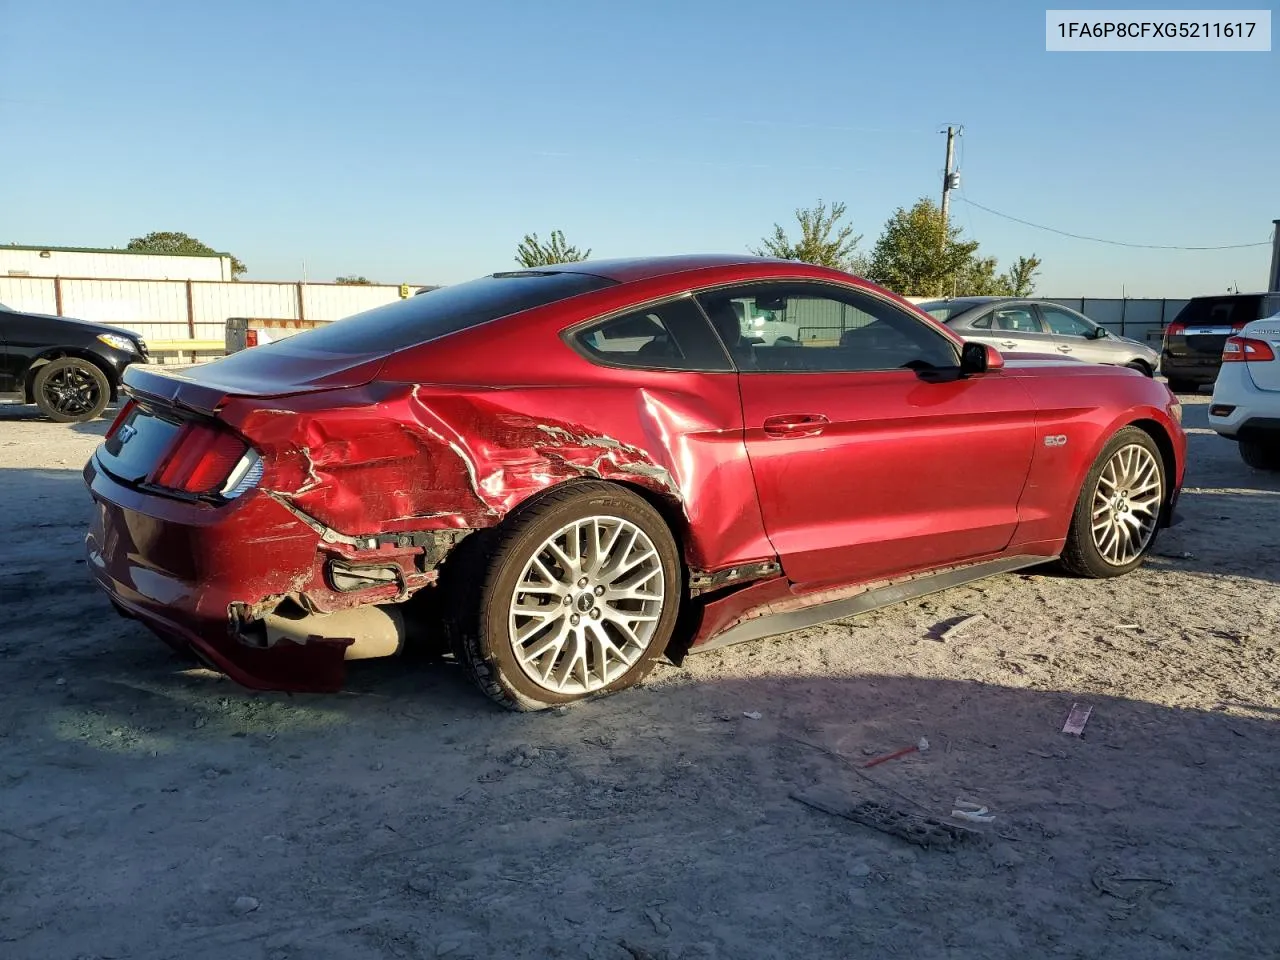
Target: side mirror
<point x="1098" y="333"/>
<point x="979" y="358"/>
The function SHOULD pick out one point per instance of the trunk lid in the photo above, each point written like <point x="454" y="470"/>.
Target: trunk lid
<point x="275" y="370"/>
<point x="1265" y="373"/>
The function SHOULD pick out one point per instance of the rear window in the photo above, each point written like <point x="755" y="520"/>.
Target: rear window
<point x="1219" y="311"/>
<point x="438" y="313"/>
<point x="943" y="311"/>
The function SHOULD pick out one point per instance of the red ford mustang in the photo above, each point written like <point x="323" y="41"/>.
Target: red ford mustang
<point x="572" y="470"/>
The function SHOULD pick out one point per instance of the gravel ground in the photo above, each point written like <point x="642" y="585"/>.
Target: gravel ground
<point x="152" y="809"/>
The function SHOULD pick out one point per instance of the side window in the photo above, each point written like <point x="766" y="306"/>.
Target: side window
<point x="982" y="323"/>
<point x="1066" y="324"/>
<point x="671" y="336"/>
<point x="1016" y="320"/>
<point x="818" y="328"/>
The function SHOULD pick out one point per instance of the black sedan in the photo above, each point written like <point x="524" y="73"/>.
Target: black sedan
<point x="69" y="368"/>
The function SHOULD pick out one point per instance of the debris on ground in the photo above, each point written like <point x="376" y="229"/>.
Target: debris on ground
<point x="245" y="904"/>
<point x="752" y="714"/>
<point x="972" y="812"/>
<point x="949" y="628"/>
<point x="1076" y="719"/>
<point x="928" y="832"/>
<point x="1126" y="888"/>
<point x="920" y="746"/>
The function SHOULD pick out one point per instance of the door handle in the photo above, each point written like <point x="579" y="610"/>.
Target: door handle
<point x="795" y="425"/>
<point x="1064" y="347"/>
<point x="1008" y="344"/>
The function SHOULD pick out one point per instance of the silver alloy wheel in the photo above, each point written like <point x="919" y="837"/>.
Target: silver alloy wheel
<point x="1126" y="504"/>
<point x="586" y="605"/>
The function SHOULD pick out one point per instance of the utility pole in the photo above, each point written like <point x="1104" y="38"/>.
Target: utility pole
<point x="1273" y="279"/>
<point x="950" y="179"/>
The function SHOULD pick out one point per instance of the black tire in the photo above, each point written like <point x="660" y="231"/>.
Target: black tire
<point x="71" y="390"/>
<point x="1141" y="367"/>
<point x="1081" y="556"/>
<point x="1260" y="454"/>
<point x="1183" y="386"/>
<point x="480" y="628"/>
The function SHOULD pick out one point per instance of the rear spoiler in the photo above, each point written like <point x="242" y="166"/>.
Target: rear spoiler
<point x="173" y="389"/>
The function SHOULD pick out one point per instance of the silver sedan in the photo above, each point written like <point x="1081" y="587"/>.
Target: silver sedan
<point x="1027" y="326"/>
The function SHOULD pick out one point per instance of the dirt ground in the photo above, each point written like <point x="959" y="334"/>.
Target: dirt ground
<point x="150" y="809"/>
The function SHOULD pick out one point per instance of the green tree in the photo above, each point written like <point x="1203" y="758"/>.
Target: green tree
<point x="823" y="240"/>
<point x="533" y="252"/>
<point x="353" y="281"/>
<point x="179" y="244"/>
<point x="919" y="255"/>
<point x="1020" y="279"/>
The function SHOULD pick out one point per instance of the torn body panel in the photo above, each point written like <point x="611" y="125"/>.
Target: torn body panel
<point x="366" y="490"/>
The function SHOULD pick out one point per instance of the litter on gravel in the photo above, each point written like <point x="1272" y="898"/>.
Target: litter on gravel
<point x="1076" y="719"/>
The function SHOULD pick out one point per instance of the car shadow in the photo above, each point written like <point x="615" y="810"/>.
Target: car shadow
<point x="30" y="413"/>
<point x="409" y="810"/>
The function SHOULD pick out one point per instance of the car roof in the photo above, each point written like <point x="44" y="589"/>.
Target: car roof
<point x="632" y="269"/>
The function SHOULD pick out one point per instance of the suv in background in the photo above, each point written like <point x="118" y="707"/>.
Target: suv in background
<point x="70" y="369"/>
<point x="1193" y="342"/>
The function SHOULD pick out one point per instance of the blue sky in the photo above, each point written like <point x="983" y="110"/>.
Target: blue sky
<point x="420" y="141"/>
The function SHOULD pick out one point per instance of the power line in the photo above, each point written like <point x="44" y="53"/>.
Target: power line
<point x="1114" y="243"/>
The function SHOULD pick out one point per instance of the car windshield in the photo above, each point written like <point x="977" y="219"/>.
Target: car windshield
<point x="447" y="310"/>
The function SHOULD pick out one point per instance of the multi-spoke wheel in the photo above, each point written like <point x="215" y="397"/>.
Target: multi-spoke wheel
<point x="71" y="390"/>
<point x="1118" y="513"/>
<point x="581" y="595"/>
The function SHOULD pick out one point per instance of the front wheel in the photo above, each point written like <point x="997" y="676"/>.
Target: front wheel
<point x="1141" y="367"/>
<point x="1260" y="454"/>
<point x="1118" y="511"/>
<point x="580" y="597"/>
<point x="71" y="390"/>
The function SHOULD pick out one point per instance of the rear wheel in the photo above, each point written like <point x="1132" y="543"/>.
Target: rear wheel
<point x="71" y="390"/>
<point x="579" y="598"/>
<point x="1260" y="454"/>
<point x="1118" y="512"/>
<point x="1178" y="385"/>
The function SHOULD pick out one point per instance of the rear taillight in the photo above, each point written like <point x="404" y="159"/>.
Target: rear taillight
<point x="251" y="338"/>
<point x="1239" y="325"/>
<point x="1174" y="329"/>
<point x="121" y="417"/>
<point x="202" y="460"/>
<point x="1246" y="350"/>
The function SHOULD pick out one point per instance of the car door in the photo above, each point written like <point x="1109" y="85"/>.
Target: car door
<point x="1016" y="328"/>
<point x="1076" y="335"/>
<point x="871" y="457"/>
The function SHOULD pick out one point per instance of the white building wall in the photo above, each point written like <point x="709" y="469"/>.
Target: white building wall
<point x="29" y="294"/>
<point x="111" y="265"/>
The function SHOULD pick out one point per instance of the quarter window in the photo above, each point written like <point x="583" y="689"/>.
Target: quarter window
<point x="672" y="336"/>
<point x="817" y="328"/>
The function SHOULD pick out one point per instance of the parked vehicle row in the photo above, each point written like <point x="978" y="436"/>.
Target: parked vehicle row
<point x="664" y="479"/>
<point x="1030" y="326"/>
<point x="69" y="368"/>
<point x="1246" y="394"/>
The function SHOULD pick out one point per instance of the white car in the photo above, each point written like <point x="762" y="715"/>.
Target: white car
<point x="1246" y="395"/>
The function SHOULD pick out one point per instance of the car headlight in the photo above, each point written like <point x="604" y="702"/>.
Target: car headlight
<point x="118" y="342"/>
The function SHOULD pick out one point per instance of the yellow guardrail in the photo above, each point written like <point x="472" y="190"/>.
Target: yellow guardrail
<point x="187" y="346"/>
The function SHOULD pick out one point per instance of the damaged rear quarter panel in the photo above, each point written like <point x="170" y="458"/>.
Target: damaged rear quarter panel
<point x="394" y="457"/>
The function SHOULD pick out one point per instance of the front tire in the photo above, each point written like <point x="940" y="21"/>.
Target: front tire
<point x="579" y="597"/>
<point x="1141" y="367"/>
<point x="1118" y="512"/>
<point x="1260" y="454"/>
<point x="71" y="390"/>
